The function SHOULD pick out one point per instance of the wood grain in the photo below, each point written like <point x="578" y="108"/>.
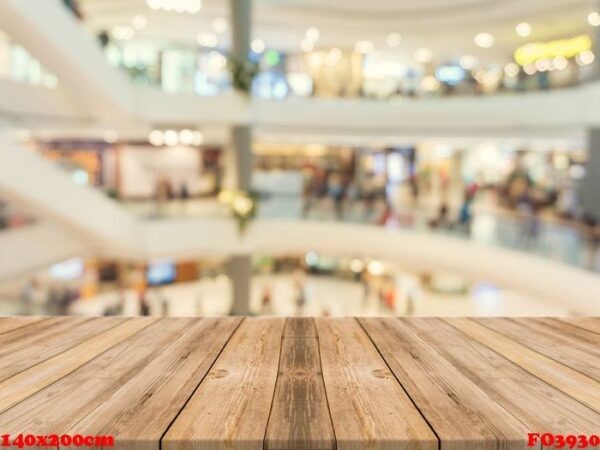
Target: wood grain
<point x="580" y="387"/>
<point x="275" y="384"/>
<point x="552" y="340"/>
<point x="140" y="411"/>
<point x="24" y="353"/>
<point x="591" y="324"/>
<point x="299" y="414"/>
<point x="25" y="383"/>
<point x="369" y="409"/>
<point x="463" y="416"/>
<point x="11" y="323"/>
<point x="230" y="409"/>
<point x="532" y="401"/>
<point x="80" y="392"/>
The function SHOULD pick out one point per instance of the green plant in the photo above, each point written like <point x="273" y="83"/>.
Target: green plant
<point x="242" y="74"/>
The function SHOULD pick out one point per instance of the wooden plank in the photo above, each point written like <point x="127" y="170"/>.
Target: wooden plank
<point x="300" y="327"/>
<point x="463" y="416"/>
<point x="21" y="334"/>
<point x="140" y="411"/>
<point x="61" y="405"/>
<point x="25" y="383"/>
<point x="369" y="409"/>
<point x="37" y="347"/>
<point x="569" y="381"/>
<point x="540" y="406"/>
<point x="553" y="342"/>
<point x="231" y="407"/>
<point x="300" y="414"/>
<point x="11" y="323"/>
<point x="591" y="324"/>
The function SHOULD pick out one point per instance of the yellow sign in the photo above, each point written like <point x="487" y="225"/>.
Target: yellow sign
<point x="569" y="48"/>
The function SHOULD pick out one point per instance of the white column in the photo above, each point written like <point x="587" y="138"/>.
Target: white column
<point x="239" y="155"/>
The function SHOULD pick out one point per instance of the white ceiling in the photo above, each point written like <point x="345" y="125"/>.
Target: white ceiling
<point x="446" y="26"/>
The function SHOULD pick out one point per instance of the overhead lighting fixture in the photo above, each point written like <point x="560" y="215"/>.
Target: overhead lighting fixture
<point x="219" y="25"/>
<point x="186" y="137"/>
<point x="312" y="34"/>
<point x="110" y="136"/>
<point x="468" y="62"/>
<point x="560" y="63"/>
<point x="376" y="268"/>
<point x="258" y="46"/>
<point x="156" y="138"/>
<point x="122" y="33"/>
<point x="139" y="22"/>
<point x="430" y="83"/>
<point x="364" y="47"/>
<point x="307" y="46"/>
<point x="394" y="39"/>
<point x="594" y="19"/>
<point x="197" y="138"/>
<point x="523" y="29"/>
<point x="585" y="58"/>
<point x="207" y="40"/>
<point x="530" y="69"/>
<point x="171" y="138"/>
<point x="423" y="55"/>
<point x="512" y="70"/>
<point x="484" y="40"/>
<point x="179" y="6"/>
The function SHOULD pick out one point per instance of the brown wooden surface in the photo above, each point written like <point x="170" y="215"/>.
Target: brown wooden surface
<point x="310" y="384"/>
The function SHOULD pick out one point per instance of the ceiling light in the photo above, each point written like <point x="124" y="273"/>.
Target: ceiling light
<point x="530" y="69"/>
<point x="220" y="25"/>
<point x="307" y="46"/>
<point x="394" y="39"/>
<point x="542" y="65"/>
<point x="186" y="137"/>
<point x="180" y="6"/>
<point x="585" y="58"/>
<point x="110" y="136"/>
<point x="207" y="39"/>
<point x="484" y="40"/>
<point x="258" y="46"/>
<point x="171" y="137"/>
<point x="312" y="34"/>
<point x="357" y="266"/>
<point x="423" y="55"/>
<point x="197" y="138"/>
<point x="560" y="62"/>
<point x="139" y="22"/>
<point x="122" y="33"/>
<point x="430" y="83"/>
<point x="523" y="29"/>
<point x="376" y="268"/>
<point x="364" y="47"/>
<point x="594" y="19"/>
<point x="156" y="138"/>
<point x="468" y="62"/>
<point x="334" y="55"/>
<point x="512" y="70"/>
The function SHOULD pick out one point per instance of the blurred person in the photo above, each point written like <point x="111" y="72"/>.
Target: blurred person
<point x="441" y="220"/>
<point x="34" y="297"/>
<point x="591" y="232"/>
<point x="266" y="300"/>
<point x="336" y="190"/>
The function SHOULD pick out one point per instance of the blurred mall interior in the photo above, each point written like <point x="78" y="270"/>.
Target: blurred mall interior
<point x="311" y="158"/>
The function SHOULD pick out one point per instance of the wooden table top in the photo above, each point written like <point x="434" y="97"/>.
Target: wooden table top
<point x="274" y="383"/>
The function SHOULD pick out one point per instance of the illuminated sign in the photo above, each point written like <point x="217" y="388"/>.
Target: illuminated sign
<point x="568" y="48"/>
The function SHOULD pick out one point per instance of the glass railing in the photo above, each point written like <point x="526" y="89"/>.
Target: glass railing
<point x="17" y="64"/>
<point x="203" y="71"/>
<point x="541" y="234"/>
